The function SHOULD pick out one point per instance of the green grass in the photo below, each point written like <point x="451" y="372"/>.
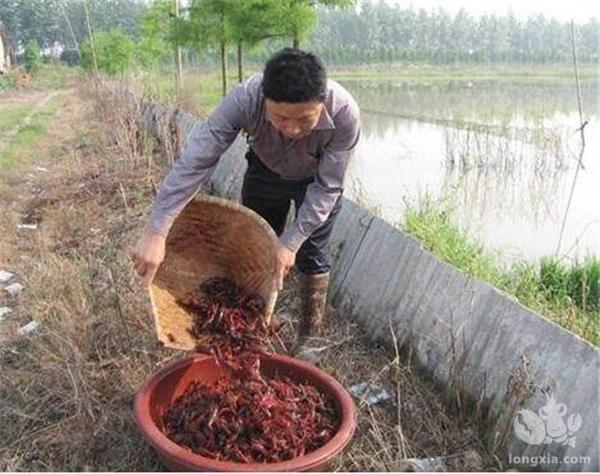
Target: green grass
<point x="204" y="88"/>
<point x="53" y="76"/>
<point x="443" y="238"/>
<point x="207" y="88"/>
<point x="568" y="294"/>
<point x="7" y="82"/>
<point x="24" y="143"/>
<point x="479" y="72"/>
<point x="11" y="117"/>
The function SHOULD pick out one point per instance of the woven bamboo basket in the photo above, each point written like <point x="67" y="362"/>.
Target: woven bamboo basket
<point x="211" y="237"/>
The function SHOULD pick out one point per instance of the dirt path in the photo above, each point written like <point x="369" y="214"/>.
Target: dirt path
<point x="67" y="388"/>
<point x="20" y="97"/>
<point x="38" y="104"/>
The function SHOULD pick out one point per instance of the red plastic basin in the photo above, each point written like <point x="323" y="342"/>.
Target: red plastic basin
<point x="168" y="383"/>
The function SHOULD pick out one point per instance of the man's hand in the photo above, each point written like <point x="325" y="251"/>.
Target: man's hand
<point x="147" y="255"/>
<point x="284" y="260"/>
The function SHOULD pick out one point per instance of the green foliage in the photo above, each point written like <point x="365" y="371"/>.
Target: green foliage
<point x="11" y="117"/>
<point x="443" y="238"/>
<point x="53" y="76"/>
<point x="579" y="284"/>
<point x="252" y="21"/>
<point x="114" y="52"/>
<point x="207" y="22"/>
<point x="210" y="22"/>
<point x="220" y="23"/>
<point x="7" y="82"/>
<point x="381" y="32"/>
<point x="378" y="32"/>
<point x="22" y="145"/>
<point x="301" y="17"/>
<point x="47" y="21"/>
<point x="157" y="37"/>
<point x="28" y="20"/>
<point x="32" y="57"/>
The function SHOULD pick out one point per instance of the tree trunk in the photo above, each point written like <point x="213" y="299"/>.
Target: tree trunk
<point x="296" y="44"/>
<point x="75" y="43"/>
<point x="178" y="67"/>
<point x="224" y="67"/>
<point x="91" y="37"/>
<point x="240" y="61"/>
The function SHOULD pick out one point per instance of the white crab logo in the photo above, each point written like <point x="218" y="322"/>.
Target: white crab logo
<point x="549" y="426"/>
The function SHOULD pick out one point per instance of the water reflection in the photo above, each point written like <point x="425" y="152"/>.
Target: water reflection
<point x="483" y="101"/>
<point x="507" y="184"/>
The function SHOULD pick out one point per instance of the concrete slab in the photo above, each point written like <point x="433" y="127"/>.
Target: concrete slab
<point x="348" y="232"/>
<point x="226" y="181"/>
<point x="371" y="290"/>
<point x="469" y="335"/>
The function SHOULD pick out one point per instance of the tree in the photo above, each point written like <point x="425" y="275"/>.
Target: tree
<point x="253" y="21"/>
<point x="33" y="58"/>
<point x="207" y="22"/>
<point x="62" y="22"/>
<point x="31" y="19"/>
<point x="300" y="16"/>
<point x="368" y="33"/>
<point x="114" y="52"/>
<point x="156" y="34"/>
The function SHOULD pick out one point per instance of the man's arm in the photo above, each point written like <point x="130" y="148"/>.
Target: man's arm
<point x="198" y="160"/>
<point x="193" y="168"/>
<point x="322" y="194"/>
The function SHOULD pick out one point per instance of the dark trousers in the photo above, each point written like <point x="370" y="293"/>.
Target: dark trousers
<point x="270" y="196"/>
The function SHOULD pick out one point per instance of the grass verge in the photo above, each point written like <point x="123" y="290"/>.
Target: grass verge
<point x="21" y="145"/>
<point x="11" y="116"/>
<point x="7" y="82"/>
<point x="497" y="71"/>
<point x="67" y="389"/>
<point x="53" y="76"/>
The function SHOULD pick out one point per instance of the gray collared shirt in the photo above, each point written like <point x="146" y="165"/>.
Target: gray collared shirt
<point x="323" y="154"/>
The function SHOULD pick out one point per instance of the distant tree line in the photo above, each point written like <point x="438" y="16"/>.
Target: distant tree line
<point x="146" y="32"/>
<point x="114" y="35"/>
<point x="381" y="33"/>
<point x="63" y="22"/>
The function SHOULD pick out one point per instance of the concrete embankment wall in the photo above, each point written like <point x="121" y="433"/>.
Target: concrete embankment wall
<point x="468" y="336"/>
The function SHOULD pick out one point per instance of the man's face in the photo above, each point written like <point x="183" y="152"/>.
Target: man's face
<point x="293" y="120"/>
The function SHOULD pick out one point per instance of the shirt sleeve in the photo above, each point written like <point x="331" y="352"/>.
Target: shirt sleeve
<point x="322" y="194"/>
<point x="208" y="141"/>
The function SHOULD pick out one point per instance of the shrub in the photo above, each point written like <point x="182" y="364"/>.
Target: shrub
<point x="32" y="57"/>
<point x="114" y="52"/>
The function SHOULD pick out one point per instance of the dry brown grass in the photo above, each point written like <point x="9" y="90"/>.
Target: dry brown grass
<point x="414" y="424"/>
<point x="66" y="392"/>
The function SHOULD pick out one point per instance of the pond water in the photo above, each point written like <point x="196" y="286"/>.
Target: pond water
<point x="500" y="155"/>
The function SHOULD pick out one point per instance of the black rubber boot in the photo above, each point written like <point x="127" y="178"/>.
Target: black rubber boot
<point x="313" y="296"/>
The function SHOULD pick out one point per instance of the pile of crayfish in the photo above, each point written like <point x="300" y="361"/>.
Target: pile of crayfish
<point x="244" y="417"/>
<point x="232" y="319"/>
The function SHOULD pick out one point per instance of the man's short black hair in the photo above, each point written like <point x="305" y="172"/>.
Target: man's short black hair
<point x="294" y="76"/>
